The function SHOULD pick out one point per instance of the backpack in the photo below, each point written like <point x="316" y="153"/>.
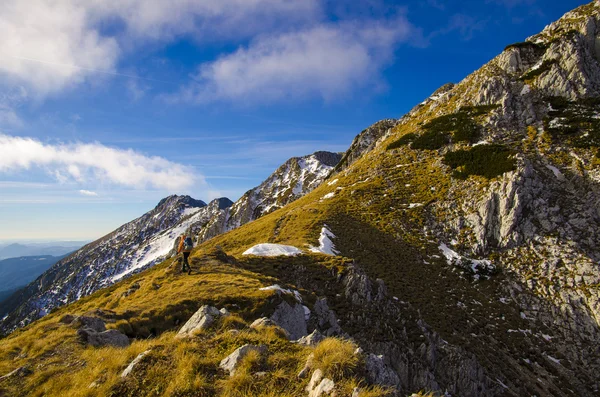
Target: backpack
<point x="188" y="244"/>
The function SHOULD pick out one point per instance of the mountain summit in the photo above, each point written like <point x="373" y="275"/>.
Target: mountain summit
<point x="452" y="250"/>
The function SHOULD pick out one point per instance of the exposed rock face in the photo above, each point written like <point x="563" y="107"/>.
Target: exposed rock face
<point x="230" y="363"/>
<point x="323" y="319"/>
<point x="364" y="142"/>
<point x="379" y="372"/>
<point x="292" y="180"/>
<point x="94" y="323"/>
<point x="291" y="318"/>
<point x="202" y="319"/>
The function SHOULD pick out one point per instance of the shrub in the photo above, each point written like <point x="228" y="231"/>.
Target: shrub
<point x="543" y="68"/>
<point x="430" y="140"/>
<point x="403" y="140"/>
<point x="488" y="161"/>
<point x="335" y="357"/>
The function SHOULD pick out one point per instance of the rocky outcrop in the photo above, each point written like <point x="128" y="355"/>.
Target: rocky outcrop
<point x="311" y="340"/>
<point x="319" y="385"/>
<point x="202" y="319"/>
<point x="291" y="318"/>
<point x="230" y="363"/>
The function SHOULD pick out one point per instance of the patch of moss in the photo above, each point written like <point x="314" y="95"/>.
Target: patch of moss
<point x="488" y="161"/>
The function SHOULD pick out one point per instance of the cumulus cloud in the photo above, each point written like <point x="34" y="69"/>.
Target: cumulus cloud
<point x="48" y="46"/>
<point x="83" y="162"/>
<point x="88" y="193"/>
<point x="327" y="60"/>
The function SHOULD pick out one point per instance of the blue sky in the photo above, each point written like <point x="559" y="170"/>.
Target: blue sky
<point x="107" y="107"/>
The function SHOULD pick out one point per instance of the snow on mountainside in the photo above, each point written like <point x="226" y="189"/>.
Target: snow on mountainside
<point x="134" y="246"/>
<point x="152" y="238"/>
<point x="292" y="180"/>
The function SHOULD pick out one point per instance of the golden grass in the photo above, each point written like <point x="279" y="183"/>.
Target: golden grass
<point x="336" y="358"/>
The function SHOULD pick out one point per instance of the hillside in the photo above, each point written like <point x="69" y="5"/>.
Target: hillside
<point x="466" y="262"/>
<point x="150" y="239"/>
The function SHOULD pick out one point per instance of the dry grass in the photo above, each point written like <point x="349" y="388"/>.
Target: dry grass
<point x="336" y="358"/>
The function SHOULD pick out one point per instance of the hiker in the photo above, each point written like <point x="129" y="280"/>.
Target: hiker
<point x="185" y="245"/>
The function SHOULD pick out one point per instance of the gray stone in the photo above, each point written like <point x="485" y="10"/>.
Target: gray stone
<point x="311" y="340"/>
<point x="291" y="318"/>
<point x="229" y="363"/>
<point x="326" y="320"/>
<point x="202" y="319"/>
<point x="132" y="364"/>
<point x="112" y="337"/>
<point x="93" y="323"/>
<point x="319" y="386"/>
<point x="263" y="322"/>
<point x="379" y="373"/>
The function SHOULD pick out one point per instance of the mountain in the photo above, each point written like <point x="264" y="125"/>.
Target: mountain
<point x="16" y="250"/>
<point x="15" y="273"/>
<point x="292" y="180"/>
<point x="152" y="238"/>
<point x="455" y="252"/>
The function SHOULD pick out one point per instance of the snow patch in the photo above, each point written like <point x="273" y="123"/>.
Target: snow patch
<point x="326" y="245"/>
<point x="332" y="182"/>
<point x="478" y="268"/>
<point x="415" y="205"/>
<point x="279" y="289"/>
<point x="272" y="250"/>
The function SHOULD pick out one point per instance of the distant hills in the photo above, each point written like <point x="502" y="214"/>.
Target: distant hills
<point x="16" y="250"/>
<point x="15" y="273"/>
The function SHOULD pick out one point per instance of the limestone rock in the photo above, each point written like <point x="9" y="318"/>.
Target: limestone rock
<point x="263" y="322"/>
<point x="229" y="363"/>
<point x="112" y="337"/>
<point x="379" y="373"/>
<point x="291" y="318"/>
<point x="202" y="319"/>
<point x="93" y="323"/>
<point x="311" y="340"/>
<point x="318" y="385"/>
<point x="325" y="319"/>
<point x="132" y="364"/>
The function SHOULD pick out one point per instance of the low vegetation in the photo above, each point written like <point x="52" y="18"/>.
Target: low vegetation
<point x="488" y="161"/>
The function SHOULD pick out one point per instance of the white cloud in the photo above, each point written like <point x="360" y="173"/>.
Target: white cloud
<point x="50" y="45"/>
<point x="94" y="162"/>
<point x="88" y="193"/>
<point x="327" y="61"/>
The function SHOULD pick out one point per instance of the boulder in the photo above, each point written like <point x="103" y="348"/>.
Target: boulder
<point x="202" y="319"/>
<point x="94" y="323"/>
<point x="230" y="363"/>
<point x="132" y="364"/>
<point x="319" y="386"/>
<point x="112" y="337"/>
<point x="291" y="318"/>
<point x="263" y="322"/>
<point x="67" y="319"/>
<point x="312" y="339"/>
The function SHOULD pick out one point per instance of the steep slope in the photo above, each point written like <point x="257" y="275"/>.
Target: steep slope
<point x="151" y="238"/>
<point x="134" y="246"/>
<point x="468" y="263"/>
